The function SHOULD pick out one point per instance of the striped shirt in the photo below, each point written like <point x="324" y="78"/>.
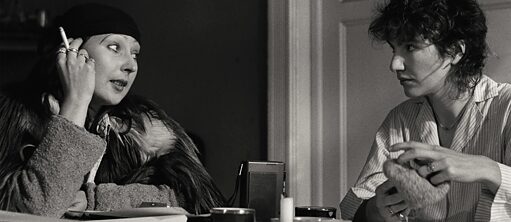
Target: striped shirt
<point x="484" y="129"/>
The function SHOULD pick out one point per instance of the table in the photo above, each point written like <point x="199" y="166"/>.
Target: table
<point x="15" y="217"/>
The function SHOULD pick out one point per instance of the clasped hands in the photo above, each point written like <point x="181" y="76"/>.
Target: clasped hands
<point x="444" y="165"/>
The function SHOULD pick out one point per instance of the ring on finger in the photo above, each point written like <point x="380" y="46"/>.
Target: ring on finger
<point x="431" y="167"/>
<point x="61" y="50"/>
<point x="72" y="50"/>
<point x="390" y="211"/>
<point x="84" y="55"/>
<point x="402" y="217"/>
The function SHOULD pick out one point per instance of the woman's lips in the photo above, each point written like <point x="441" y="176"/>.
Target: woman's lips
<point x="119" y="84"/>
<point x="403" y="81"/>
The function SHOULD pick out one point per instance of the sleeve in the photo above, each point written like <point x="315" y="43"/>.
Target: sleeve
<point x="110" y="196"/>
<point x="501" y="202"/>
<point x="497" y="206"/>
<point x="372" y="175"/>
<point x="54" y="173"/>
<point x="501" y="206"/>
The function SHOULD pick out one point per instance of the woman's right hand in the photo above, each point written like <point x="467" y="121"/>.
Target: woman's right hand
<point x="76" y="73"/>
<point x="389" y="203"/>
<point x="77" y="76"/>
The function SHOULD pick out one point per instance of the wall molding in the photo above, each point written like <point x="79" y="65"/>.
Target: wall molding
<point x="343" y="122"/>
<point x="277" y="80"/>
<point x="289" y="96"/>
<point x="317" y="116"/>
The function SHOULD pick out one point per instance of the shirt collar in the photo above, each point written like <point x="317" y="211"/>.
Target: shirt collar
<point x="485" y="89"/>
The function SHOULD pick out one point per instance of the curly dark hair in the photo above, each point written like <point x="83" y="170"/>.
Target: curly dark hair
<point x="445" y="23"/>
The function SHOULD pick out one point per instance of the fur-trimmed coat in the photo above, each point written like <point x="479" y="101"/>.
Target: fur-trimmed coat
<point x="144" y="157"/>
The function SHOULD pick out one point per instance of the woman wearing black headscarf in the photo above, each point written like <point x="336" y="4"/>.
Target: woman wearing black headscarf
<point x="79" y="139"/>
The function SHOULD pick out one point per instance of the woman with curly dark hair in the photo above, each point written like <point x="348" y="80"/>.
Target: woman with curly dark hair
<point x="442" y="155"/>
<point x="72" y="138"/>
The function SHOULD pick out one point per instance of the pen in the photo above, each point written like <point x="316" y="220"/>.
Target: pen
<point x="64" y="37"/>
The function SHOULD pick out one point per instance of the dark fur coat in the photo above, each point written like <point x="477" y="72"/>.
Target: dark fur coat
<point x="146" y="146"/>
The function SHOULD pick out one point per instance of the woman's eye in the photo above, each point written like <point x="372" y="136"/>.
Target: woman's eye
<point x="410" y="47"/>
<point x="114" y="47"/>
<point x="134" y="55"/>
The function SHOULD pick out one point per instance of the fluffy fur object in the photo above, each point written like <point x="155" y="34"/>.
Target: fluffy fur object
<point x="146" y="146"/>
<point x="19" y="125"/>
<point x="417" y="191"/>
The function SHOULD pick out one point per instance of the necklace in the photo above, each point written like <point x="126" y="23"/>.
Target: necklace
<point x="452" y="125"/>
<point x="447" y="128"/>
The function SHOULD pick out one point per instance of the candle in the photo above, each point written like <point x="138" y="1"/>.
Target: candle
<point x="286" y="209"/>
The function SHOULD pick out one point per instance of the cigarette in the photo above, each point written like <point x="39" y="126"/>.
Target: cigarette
<point x="64" y="37"/>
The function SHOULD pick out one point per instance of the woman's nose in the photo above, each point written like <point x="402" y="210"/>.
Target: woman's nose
<point x="130" y="65"/>
<point x="397" y="63"/>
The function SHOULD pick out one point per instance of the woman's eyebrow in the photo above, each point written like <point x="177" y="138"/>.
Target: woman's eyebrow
<point x="102" y="40"/>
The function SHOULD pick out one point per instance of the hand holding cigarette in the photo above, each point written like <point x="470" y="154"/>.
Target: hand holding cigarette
<point x="77" y="76"/>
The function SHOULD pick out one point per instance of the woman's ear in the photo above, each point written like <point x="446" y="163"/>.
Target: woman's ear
<point x="461" y="46"/>
<point x="26" y="151"/>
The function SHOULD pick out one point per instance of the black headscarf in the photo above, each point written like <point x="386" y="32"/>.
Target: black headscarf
<point x="94" y="19"/>
<point x="85" y="20"/>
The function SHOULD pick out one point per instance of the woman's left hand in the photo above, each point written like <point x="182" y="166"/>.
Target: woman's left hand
<point x="449" y="165"/>
<point x="78" y="206"/>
